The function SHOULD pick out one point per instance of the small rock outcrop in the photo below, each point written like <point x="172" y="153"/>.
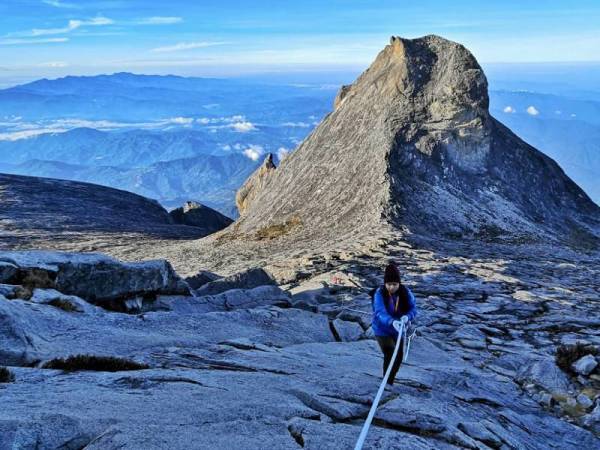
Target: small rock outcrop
<point x="246" y="279"/>
<point x="199" y="215"/>
<point x="254" y="184"/>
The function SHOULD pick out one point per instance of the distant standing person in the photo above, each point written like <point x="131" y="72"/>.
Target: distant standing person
<point x="393" y="303"/>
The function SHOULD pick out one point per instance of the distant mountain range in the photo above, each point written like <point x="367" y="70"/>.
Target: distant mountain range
<point x="131" y="97"/>
<point x="167" y="137"/>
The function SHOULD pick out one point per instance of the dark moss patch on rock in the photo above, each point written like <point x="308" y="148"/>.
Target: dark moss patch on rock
<point x="568" y="354"/>
<point x="6" y="376"/>
<point x="76" y="363"/>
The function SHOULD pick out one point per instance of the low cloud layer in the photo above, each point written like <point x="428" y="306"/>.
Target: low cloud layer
<point x="254" y="152"/>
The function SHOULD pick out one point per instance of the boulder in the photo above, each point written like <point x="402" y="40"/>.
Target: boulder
<point x="68" y="303"/>
<point x="347" y="331"/>
<point x="201" y="278"/>
<point x="95" y="277"/>
<point x="253" y="298"/>
<point x="584" y="365"/>
<point x="247" y="279"/>
<point x="7" y="271"/>
<point x="584" y="401"/>
<point x="545" y="374"/>
<point x="592" y="420"/>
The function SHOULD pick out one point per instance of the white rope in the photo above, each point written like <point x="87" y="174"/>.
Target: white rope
<point x="409" y="339"/>
<point x="365" y="428"/>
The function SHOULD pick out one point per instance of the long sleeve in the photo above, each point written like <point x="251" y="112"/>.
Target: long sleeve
<point x="381" y="313"/>
<point x="412" y="312"/>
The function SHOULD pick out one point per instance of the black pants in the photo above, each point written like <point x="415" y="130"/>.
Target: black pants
<point x="387" y="345"/>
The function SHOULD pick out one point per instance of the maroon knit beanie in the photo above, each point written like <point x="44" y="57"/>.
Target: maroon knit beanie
<point x="392" y="274"/>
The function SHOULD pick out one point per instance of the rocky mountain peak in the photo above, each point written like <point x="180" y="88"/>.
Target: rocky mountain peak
<point x="436" y="90"/>
<point x="411" y="144"/>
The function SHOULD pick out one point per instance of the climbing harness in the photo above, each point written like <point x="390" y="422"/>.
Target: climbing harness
<point x="365" y="428"/>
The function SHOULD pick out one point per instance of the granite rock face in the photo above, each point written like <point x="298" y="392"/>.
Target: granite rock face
<point x="411" y="144"/>
<point x="295" y="366"/>
<point x="60" y="214"/>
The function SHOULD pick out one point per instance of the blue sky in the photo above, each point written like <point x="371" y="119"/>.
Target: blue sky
<point x="50" y="38"/>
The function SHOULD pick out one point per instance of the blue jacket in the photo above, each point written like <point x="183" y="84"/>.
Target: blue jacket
<point x="384" y="315"/>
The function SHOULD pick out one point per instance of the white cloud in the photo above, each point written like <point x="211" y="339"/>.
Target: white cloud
<point x="243" y="127"/>
<point x="185" y="46"/>
<point x="254" y="152"/>
<point x="53" y="64"/>
<point x="532" y="111"/>
<point x="16" y="129"/>
<point x="181" y="120"/>
<point x="72" y="25"/>
<point x="558" y="111"/>
<point x="159" y="20"/>
<point x="238" y="123"/>
<point x="296" y="124"/>
<point x="282" y="152"/>
<point x="26" y="134"/>
<point x="59" y="4"/>
<point x="509" y="109"/>
<point x="31" y="41"/>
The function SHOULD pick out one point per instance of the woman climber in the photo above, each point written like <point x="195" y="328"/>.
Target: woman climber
<point x="393" y="303"/>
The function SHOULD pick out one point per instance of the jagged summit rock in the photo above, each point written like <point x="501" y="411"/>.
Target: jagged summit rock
<point x="254" y="184"/>
<point x="199" y="215"/>
<point x="411" y="145"/>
